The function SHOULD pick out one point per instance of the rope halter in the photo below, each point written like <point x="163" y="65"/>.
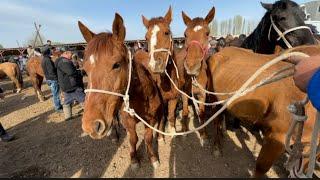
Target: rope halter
<point x="204" y="49"/>
<point x="169" y="53"/>
<point x="125" y="96"/>
<point x="282" y="35"/>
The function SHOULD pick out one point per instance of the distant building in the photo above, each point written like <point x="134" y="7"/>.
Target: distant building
<point x="312" y="11"/>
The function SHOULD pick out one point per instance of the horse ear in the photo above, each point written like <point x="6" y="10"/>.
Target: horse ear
<point x="210" y="15"/>
<point x="86" y="33"/>
<point x="267" y="6"/>
<point x="145" y="21"/>
<point x="118" y="29"/>
<point x="186" y="18"/>
<point x="168" y="16"/>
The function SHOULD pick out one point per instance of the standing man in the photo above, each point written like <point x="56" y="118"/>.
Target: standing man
<point x="4" y="136"/>
<point x="70" y="81"/>
<point x="50" y="73"/>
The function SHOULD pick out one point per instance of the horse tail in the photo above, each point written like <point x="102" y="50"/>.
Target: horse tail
<point x="19" y="75"/>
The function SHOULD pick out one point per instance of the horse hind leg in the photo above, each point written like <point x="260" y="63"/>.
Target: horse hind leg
<point x="40" y="94"/>
<point x="271" y="150"/>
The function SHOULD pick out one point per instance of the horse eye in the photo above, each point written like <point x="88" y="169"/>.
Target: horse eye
<point x="185" y="35"/>
<point x="282" y="18"/>
<point x="207" y="33"/>
<point x="167" y="33"/>
<point x="116" y="65"/>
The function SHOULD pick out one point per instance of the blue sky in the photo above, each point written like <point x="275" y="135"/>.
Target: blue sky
<point x="59" y="17"/>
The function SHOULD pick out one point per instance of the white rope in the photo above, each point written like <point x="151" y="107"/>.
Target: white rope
<point x="192" y="98"/>
<point x="314" y="142"/>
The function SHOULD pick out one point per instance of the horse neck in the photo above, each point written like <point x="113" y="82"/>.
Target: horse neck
<point x="258" y="39"/>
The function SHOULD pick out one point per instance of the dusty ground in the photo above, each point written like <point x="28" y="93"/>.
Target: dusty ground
<point x="47" y="146"/>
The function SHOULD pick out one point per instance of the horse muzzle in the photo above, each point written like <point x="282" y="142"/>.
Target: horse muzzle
<point x="100" y="129"/>
<point x="194" y="71"/>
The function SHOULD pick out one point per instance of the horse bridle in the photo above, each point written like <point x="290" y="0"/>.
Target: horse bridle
<point x="125" y="96"/>
<point x="204" y="49"/>
<point x="168" y="51"/>
<point x="282" y="35"/>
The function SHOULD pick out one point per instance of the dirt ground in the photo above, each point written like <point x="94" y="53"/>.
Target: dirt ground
<point x="47" y="146"/>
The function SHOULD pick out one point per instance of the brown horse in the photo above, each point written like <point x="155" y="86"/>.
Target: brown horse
<point x="159" y="36"/>
<point x="106" y="62"/>
<point x="266" y="107"/>
<point x="13" y="72"/>
<point x="194" y="56"/>
<point x="36" y="75"/>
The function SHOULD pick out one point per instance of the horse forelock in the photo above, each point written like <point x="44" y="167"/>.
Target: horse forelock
<point x="102" y="46"/>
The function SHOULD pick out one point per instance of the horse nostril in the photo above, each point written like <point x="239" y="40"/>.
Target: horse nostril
<point x="100" y="126"/>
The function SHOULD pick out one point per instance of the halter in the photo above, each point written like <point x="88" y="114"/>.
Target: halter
<point x="168" y="51"/>
<point x="204" y="49"/>
<point x="283" y="34"/>
<point x="125" y="96"/>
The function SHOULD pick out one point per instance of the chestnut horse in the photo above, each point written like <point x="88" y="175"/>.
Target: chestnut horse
<point x="159" y="37"/>
<point x="13" y="72"/>
<point x="36" y="74"/>
<point x="266" y="107"/>
<point x="286" y="15"/>
<point x="106" y="62"/>
<point x="194" y="58"/>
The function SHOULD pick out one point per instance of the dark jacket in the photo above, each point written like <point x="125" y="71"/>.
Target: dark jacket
<point x="49" y="69"/>
<point x="69" y="78"/>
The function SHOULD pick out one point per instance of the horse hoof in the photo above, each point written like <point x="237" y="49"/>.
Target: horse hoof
<point x="134" y="166"/>
<point x="156" y="164"/>
<point x="204" y="142"/>
<point x="18" y="91"/>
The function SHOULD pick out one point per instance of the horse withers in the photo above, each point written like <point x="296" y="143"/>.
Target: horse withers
<point x="106" y="63"/>
<point x="12" y="71"/>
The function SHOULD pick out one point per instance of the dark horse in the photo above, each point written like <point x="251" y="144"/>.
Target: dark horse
<point x="286" y="15"/>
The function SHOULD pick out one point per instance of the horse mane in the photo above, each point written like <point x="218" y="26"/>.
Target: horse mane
<point x="102" y="45"/>
<point x="254" y="40"/>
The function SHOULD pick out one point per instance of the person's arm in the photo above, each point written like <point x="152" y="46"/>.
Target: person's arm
<point x="304" y="70"/>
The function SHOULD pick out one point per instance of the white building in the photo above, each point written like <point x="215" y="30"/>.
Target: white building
<point x="312" y="10"/>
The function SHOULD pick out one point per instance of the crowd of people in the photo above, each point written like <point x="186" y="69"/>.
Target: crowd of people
<point x="62" y="76"/>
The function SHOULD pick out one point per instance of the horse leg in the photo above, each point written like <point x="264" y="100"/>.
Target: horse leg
<point x="202" y="116"/>
<point x="161" y="127"/>
<point x="172" y="104"/>
<point x="185" y="113"/>
<point x="130" y="125"/>
<point x="148" y="138"/>
<point x="39" y="80"/>
<point x="271" y="150"/>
